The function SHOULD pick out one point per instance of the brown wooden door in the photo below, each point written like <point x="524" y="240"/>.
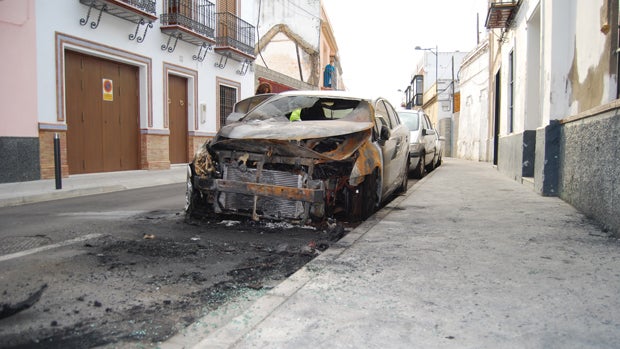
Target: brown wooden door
<point x="102" y="135"/>
<point x="177" y="114"/>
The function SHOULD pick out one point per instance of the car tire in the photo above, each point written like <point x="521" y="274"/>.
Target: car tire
<point x="438" y="161"/>
<point x="362" y="200"/>
<point x="418" y="172"/>
<point x="369" y="195"/>
<point x="431" y="166"/>
<point x="403" y="185"/>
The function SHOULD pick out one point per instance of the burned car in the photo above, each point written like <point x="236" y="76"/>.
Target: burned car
<point x="302" y="156"/>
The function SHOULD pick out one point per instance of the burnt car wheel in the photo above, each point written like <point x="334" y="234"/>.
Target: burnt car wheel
<point x="369" y="195"/>
<point x="361" y="201"/>
<point x="418" y="172"/>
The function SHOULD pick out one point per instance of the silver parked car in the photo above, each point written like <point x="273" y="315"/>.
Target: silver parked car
<point x="425" y="144"/>
<point x="302" y="156"/>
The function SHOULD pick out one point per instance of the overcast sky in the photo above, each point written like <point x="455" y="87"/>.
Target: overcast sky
<point x="377" y="39"/>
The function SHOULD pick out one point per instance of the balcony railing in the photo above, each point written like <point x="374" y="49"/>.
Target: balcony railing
<point x="189" y="17"/>
<point x="234" y="36"/>
<point x="147" y="6"/>
<point x="132" y="10"/>
<point x="140" y="12"/>
<point x="502" y="13"/>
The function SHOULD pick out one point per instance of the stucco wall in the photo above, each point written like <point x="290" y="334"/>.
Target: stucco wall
<point x="473" y="122"/>
<point x="18" y="115"/>
<point x="590" y="167"/>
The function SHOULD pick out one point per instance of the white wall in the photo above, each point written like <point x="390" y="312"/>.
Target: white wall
<point x="560" y="48"/>
<point x="473" y="120"/>
<point x="558" y="26"/>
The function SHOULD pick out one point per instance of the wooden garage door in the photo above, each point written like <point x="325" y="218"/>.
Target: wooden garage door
<point x="102" y="102"/>
<point x="177" y="114"/>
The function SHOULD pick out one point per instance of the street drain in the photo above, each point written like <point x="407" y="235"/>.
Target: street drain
<point x="12" y="244"/>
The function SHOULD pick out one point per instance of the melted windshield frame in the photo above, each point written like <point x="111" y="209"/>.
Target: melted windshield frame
<point x="315" y="108"/>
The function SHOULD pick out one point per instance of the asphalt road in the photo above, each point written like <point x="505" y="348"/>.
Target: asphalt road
<point x="61" y="220"/>
<point x="128" y="268"/>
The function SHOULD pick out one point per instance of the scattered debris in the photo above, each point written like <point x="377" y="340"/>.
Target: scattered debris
<point x="149" y="236"/>
<point x="230" y="223"/>
<point x="7" y="309"/>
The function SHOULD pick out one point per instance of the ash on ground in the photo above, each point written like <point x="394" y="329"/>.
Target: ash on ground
<point x="141" y="286"/>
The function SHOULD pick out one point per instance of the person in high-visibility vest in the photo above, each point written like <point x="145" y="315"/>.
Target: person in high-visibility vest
<point x="295" y="115"/>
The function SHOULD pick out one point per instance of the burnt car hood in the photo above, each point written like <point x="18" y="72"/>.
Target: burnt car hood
<point x="295" y="138"/>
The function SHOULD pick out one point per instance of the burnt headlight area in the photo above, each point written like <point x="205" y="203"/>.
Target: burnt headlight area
<point x="324" y="145"/>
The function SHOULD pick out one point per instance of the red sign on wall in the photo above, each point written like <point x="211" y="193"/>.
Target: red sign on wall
<point x="108" y="89"/>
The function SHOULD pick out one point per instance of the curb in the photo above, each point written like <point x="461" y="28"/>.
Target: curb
<point x="70" y="193"/>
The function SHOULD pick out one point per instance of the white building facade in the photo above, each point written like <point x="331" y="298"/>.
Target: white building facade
<point x="125" y="84"/>
<point x="438" y="95"/>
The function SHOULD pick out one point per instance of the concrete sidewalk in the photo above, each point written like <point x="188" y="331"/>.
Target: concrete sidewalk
<point x="467" y="259"/>
<point x="12" y="194"/>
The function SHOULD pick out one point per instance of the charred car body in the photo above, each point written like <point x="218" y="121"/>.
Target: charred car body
<point x="302" y="156"/>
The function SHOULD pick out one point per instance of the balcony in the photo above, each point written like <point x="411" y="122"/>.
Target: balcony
<point x="235" y="37"/>
<point x="502" y="13"/>
<point x="192" y="21"/>
<point x="140" y="12"/>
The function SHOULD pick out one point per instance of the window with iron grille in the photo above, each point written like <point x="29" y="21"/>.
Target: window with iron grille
<point x="228" y="98"/>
